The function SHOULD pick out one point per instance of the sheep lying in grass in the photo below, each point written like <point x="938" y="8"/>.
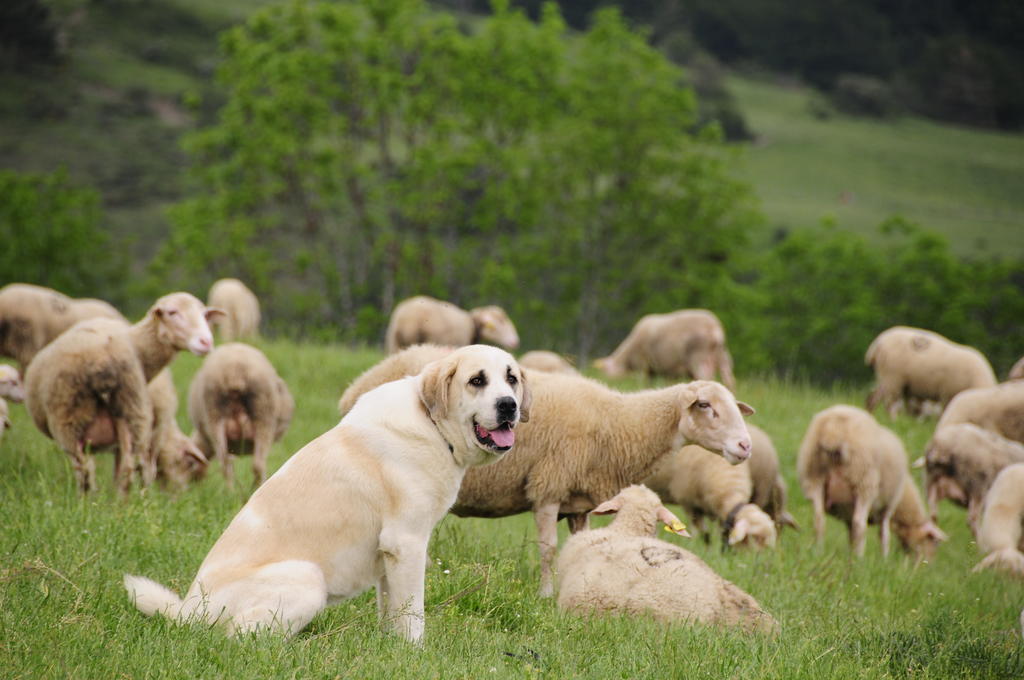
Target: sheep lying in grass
<point x="237" y="399"/>
<point x="423" y="319"/>
<point x="543" y="360"/>
<point x="32" y="316"/>
<point x="241" y="309"/>
<point x="685" y="343"/>
<point x="88" y="388"/>
<point x="11" y="386"/>
<point x="173" y="458"/>
<point x="1000" y="530"/>
<point x="705" y="484"/>
<point x="997" y="409"/>
<point x="623" y="569"/>
<point x="922" y="365"/>
<point x="961" y="462"/>
<point x="584" y="443"/>
<point x="769" y="488"/>
<point x="856" y="469"/>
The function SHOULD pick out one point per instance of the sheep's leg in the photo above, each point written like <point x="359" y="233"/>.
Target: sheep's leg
<point x="148" y="458"/>
<point x="859" y="525"/>
<point x="546" y="517"/>
<point x="884" y="530"/>
<point x="933" y="501"/>
<point x="262" y="440"/>
<point x="220" y="452"/>
<point x="83" y="467"/>
<point x="725" y="369"/>
<point x="973" y="514"/>
<point x="817" y="498"/>
<point x="578" y="522"/>
<point x="124" y="462"/>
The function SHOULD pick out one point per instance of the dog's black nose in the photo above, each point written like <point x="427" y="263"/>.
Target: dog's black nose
<point x="506" y="407"/>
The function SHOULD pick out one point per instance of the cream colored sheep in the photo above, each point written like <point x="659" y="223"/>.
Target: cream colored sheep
<point x="237" y="400"/>
<point x="1017" y="370"/>
<point x="855" y="469"/>
<point x="961" y="462"/>
<point x="407" y="362"/>
<point x="424" y="319"/>
<point x="11" y="386"/>
<point x="32" y="316"/>
<point x="584" y="443"/>
<point x="172" y="457"/>
<point x="543" y="360"/>
<point x="996" y="408"/>
<point x="623" y="569"/>
<point x="919" y="364"/>
<point x="688" y="342"/>
<point x="241" y="308"/>
<point x="769" y="492"/>
<point x="705" y="484"/>
<point x="88" y="388"/>
<point x="1000" y="531"/>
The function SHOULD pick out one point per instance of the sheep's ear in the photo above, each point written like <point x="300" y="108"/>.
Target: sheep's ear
<point x="746" y="409"/>
<point x="527" y="401"/>
<point x="214" y="314"/>
<point x="787" y="520"/>
<point x="608" y="507"/>
<point x="739" y="531"/>
<point x="933" y="532"/>
<point x="918" y="463"/>
<point x="672" y="523"/>
<point x="435" y="385"/>
<point x="192" y="450"/>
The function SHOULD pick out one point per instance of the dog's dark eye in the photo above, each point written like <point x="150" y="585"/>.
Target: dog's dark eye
<point x="478" y="380"/>
<point x="512" y="379"/>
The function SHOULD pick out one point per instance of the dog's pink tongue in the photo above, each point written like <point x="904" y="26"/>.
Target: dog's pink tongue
<point x="504" y="437"/>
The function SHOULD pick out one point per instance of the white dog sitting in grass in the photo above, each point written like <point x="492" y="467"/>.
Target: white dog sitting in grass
<point x="356" y="506"/>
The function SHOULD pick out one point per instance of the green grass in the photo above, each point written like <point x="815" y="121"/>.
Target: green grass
<point x="64" y="613"/>
<point x="964" y="183"/>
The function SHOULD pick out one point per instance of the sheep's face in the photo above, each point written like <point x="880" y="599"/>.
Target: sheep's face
<point x="494" y="326"/>
<point x="753" y="529"/>
<point x="923" y="540"/>
<point x="10" y="384"/>
<point x="184" y="322"/>
<point x="713" y="418"/>
<point x="610" y="367"/>
<point x="476" y="396"/>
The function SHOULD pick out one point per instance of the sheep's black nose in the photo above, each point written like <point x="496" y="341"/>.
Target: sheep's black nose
<point x="506" y="407"/>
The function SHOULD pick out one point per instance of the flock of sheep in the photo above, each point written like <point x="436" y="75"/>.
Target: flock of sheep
<point x="91" y="380"/>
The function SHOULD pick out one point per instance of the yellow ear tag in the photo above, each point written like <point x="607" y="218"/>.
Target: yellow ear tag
<point x="676" y="527"/>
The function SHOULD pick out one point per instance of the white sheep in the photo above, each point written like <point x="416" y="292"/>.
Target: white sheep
<point x="543" y="360"/>
<point x="961" y="461"/>
<point x="1017" y="370"/>
<point x="769" y="487"/>
<point x="241" y="309"/>
<point x="11" y="386"/>
<point x="1000" y="531"/>
<point x="32" y="316"/>
<point x="684" y="343"/>
<point x="173" y="458"/>
<point x="997" y="409"/>
<point x="237" y="400"/>
<point x="856" y="469"/>
<point x="623" y="569"/>
<point x="705" y="484"/>
<point x="921" y="365"/>
<point x="584" y="443"/>
<point x="423" y="319"/>
<point x="88" y="388"/>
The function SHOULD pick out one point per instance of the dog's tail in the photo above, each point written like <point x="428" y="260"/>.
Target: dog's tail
<point x="152" y="598"/>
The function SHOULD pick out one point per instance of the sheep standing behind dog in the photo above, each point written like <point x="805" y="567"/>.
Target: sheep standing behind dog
<point x="623" y="569"/>
<point x="584" y="444"/>
<point x="961" y="462"/>
<point x="424" y="319"/>
<point x="997" y="409"/>
<point x="32" y="316"/>
<point x="856" y="469"/>
<point x="922" y="365"/>
<point x="705" y="484"/>
<point x="237" y="399"/>
<point x="685" y="343"/>
<point x="1001" y="531"/>
<point x="241" y="309"/>
<point x="88" y="388"/>
<point x="543" y="360"/>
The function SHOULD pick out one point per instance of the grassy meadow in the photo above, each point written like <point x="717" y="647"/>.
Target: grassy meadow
<point x="65" y="614"/>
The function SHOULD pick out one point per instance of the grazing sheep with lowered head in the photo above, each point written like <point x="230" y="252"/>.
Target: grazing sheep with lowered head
<point x="241" y="309"/>
<point x="685" y="343"/>
<point x="173" y="458"/>
<point x="921" y="365"/>
<point x="623" y="569"/>
<point x="961" y="461"/>
<point x="770" y="490"/>
<point x="238" y="399"/>
<point x="424" y="319"/>
<point x="32" y="316"/>
<point x="856" y="469"/>
<point x="88" y="388"/>
<point x="11" y="386"/>
<point x="584" y="443"/>
<point x="1001" y="530"/>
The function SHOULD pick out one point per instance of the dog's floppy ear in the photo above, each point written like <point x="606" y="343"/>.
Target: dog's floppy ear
<point x="527" y="400"/>
<point x="435" y="385"/>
